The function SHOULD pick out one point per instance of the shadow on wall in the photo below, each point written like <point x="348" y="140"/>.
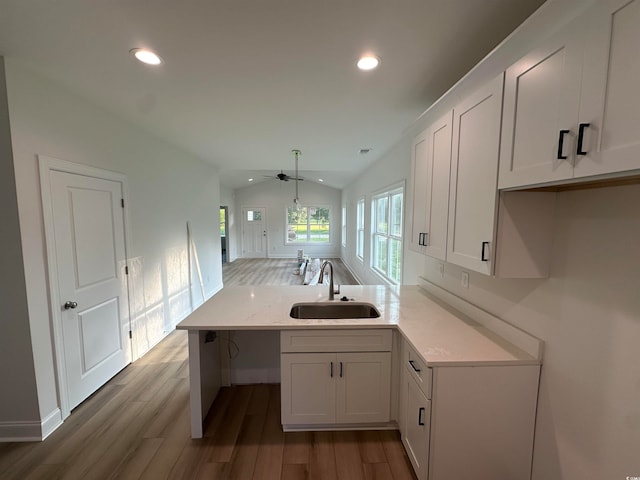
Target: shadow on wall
<point x="160" y="297"/>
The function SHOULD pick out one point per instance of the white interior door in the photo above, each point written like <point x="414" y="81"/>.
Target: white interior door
<point x="254" y="232"/>
<point x="89" y="248"/>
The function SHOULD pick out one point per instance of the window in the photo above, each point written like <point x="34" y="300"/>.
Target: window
<point x="223" y="222"/>
<point x="360" y="229"/>
<point x="344" y="226"/>
<point x="308" y="225"/>
<point x="387" y="234"/>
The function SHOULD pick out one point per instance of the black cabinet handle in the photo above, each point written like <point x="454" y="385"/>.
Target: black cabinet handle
<point x="420" y="238"/>
<point x="483" y="254"/>
<point x="561" y="144"/>
<point x="583" y="127"/>
<point x="340" y="369"/>
<point x="420" y="412"/>
<point x="413" y="366"/>
<point x="331" y="370"/>
<point x="425" y="240"/>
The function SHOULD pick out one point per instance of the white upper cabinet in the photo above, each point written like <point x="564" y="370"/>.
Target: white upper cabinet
<point x="610" y="100"/>
<point x="431" y="169"/>
<point x="570" y="108"/>
<point x="419" y="150"/>
<point x="474" y="171"/>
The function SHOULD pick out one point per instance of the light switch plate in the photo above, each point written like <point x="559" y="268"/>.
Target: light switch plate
<point x="465" y="279"/>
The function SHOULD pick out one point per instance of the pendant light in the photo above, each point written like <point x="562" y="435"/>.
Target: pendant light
<point x="296" y="200"/>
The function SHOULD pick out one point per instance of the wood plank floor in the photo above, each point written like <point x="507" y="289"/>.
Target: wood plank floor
<point x="137" y="427"/>
<point x="275" y="271"/>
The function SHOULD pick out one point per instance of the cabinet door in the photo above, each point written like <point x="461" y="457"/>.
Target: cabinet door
<point x="416" y="426"/>
<point x="364" y="387"/>
<point x="308" y="388"/>
<point x="437" y="199"/>
<point x="419" y="152"/>
<point x="474" y="171"/>
<point x="610" y="100"/>
<point x="541" y="100"/>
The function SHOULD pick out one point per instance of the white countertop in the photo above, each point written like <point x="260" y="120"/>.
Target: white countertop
<point x="438" y="333"/>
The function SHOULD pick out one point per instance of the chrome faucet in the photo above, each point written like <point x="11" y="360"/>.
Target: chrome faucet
<point x="332" y="291"/>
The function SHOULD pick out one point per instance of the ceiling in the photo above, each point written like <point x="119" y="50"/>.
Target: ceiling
<point x="245" y="81"/>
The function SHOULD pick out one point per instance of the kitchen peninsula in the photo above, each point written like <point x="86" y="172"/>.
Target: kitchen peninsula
<point x="453" y="353"/>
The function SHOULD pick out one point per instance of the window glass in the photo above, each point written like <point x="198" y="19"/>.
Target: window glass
<point x="386" y="240"/>
<point x="308" y="225"/>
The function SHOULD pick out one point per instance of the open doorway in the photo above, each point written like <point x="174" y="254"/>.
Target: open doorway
<point x="224" y="231"/>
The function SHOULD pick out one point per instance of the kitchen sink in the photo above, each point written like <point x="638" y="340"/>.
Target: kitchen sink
<point x="334" y="310"/>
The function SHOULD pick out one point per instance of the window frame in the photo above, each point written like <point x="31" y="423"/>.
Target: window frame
<point x="360" y="234"/>
<point x="308" y="242"/>
<point x="343" y="230"/>
<point x="389" y="236"/>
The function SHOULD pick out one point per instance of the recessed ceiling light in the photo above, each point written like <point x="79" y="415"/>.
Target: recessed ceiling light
<point x="320" y="180"/>
<point x="146" y="56"/>
<point x="251" y="179"/>
<point x="368" y="62"/>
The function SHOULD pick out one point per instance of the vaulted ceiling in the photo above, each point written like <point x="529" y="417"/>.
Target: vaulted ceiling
<point x="245" y="81"/>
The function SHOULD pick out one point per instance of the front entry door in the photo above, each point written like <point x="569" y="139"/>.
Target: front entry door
<point x="254" y="232"/>
<point x="88" y="226"/>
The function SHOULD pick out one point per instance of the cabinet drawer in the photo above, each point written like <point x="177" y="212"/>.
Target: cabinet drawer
<point x="367" y="340"/>
<point x="418" y="369"/>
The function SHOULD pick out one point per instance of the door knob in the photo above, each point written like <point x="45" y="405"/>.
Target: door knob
<point x="71" y="305"/>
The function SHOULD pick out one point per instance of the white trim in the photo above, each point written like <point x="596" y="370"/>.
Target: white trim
<point x="30" y="431"/>
<point x="51" y="422"/>
<point x="46" y="166"/>
<point x="351" y="271"/>
<point x="521" y="339"/>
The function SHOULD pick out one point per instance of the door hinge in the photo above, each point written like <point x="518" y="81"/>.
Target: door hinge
<point x="122" y="202"/>
<point x="126" y="270"/>
<point x="130" y="334"/>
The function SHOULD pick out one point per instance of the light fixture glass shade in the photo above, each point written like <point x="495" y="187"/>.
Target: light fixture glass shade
<point x="368" y="62"/>
<point x="146" y="56"/>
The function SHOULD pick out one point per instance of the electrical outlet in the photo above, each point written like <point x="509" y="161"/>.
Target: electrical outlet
<point x="465" y="279"/>
<point x="441" y="269"/>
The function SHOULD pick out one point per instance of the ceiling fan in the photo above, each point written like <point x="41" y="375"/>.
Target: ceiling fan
<point x="283" y="176"/>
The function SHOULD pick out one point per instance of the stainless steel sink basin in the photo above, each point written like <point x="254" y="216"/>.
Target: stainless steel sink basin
<point x="334" y="310"/>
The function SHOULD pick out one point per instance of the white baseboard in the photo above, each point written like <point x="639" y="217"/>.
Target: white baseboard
<point x="353" y="274"/>
<point x="30" y="431"/>
<point x="51" y="423"/>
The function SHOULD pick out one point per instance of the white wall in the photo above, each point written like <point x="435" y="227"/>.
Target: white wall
<point x="276" y="196"/>
<point x="17" y="374"/>
<point x="587" y="312"/>
<point x="392" y="170"/>
<point x="167" y="188"/>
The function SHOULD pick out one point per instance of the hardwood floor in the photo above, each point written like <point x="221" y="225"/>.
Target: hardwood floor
<point x="275" y="271"/>
<point x="137" y="427"/>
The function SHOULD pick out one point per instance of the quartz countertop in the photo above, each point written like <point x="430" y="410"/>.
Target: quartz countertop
<point x="441" y="335"/>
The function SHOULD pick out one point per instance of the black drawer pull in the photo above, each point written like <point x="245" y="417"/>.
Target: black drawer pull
<point x="581" y="130"/>
<point x="331" y="370"/>
<point x="421" y="410"/>
<point x="561" y="143"/>
<point x="340" y="369"/>
<point x="416" y="369"/>
<point x="483" y="255"/>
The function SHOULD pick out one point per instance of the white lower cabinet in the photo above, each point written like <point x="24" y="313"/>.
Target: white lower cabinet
<point x="470" y="421"/>
<point x="416" y="420"/>
<point x="336" y="388"/>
